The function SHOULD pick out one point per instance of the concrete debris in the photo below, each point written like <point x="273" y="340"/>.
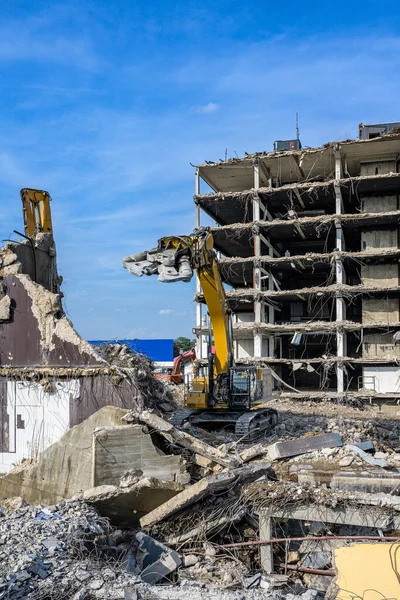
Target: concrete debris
<point x="104" y="498"/>
<point x="153" y="392"/>
<point x="317" y="560"/>
<point x="304" y="445"/>
<point x="201" y="489"/>
<point x="172" y="523"/>
<point x="376" y="462"/>
<point x="186" y="440"/>
<point x="252" y="452"/>
<point x="356" y="479"/>
<point x="57" y="552"/>
<point x="71" y="458"/>
<point x="127" y="504"/>
<point x="122" y="449"/>
<point x="101" y="453"/>
<point x="366" y="446"/>
<point x="156" y="561"/>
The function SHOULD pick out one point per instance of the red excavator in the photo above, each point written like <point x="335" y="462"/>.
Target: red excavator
<point x="175" y="375"/>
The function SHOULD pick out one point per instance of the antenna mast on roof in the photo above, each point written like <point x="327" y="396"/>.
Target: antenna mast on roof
<point x="297" y="127"/>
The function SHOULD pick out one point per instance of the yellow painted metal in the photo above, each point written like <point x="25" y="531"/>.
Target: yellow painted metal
<point x="36" y="210"/>
<point x="369" y="571"/>
<point x="197" y="399"/>
<point x="199" y="384"/>
<point x="214" y="295"/>
<point x="203" y="260"/>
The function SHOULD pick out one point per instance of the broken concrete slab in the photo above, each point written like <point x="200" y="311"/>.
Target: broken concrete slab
<point x="206" y="528"/>
<point x="71" y="457"/>
<point x="206" y="463"/>
<point x="157" y="560"/>
<point x="367" y="446"/>
<point x="184" y="439"/>
<point x="304" y="445"/>
<point x="346" y="461"/>
<point x="376" y="462"/>
<point x="371" y="481"/>
<point x="120" y="448"/>
<point x="80" y="463"/>
<point x="204" y="487"/>
<point x="129" y="504"/>
<point x="252" y="452"/>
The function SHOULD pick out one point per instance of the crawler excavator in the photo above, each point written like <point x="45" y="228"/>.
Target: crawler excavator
<point x="227" y="395"/>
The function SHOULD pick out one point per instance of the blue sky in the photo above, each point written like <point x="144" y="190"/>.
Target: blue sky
<point x="105" y="104"/>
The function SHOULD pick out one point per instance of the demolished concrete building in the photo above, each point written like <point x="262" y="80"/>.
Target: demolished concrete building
<point x="308" y="242"/>
<point x="50" y="378"/>
<point x="311" y="509"/>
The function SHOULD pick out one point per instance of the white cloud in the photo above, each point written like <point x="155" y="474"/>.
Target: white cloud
<point x="207" y="109"/>
<point x="170" y="311"/>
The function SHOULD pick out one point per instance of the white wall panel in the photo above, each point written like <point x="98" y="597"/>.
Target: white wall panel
<point x="38" y="417"/>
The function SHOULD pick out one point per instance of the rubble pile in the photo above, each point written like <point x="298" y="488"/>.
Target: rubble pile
<point x="153" y="391"/>
<point x="69" y="552"/>
<point x="191" y="513"/>
<point x="59" y="552"/>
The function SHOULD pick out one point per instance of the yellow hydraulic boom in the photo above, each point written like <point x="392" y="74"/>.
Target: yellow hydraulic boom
<point x="231" y="390"/>
<point x="36" y="209"/>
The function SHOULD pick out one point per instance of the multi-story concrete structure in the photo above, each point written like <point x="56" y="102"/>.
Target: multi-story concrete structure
<point x="309" y="250"/>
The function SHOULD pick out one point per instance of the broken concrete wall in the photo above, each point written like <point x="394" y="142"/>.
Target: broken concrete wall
<point x="106" y="389"/>
<point x="37" y="332"/>
<point x="34" y="414"/>
<point x="37" y="258"/>
<point x="5" y="308"/>
<point x="376" y="204"/>
<point x="379" y="344"/>
<point x="50" y="378"/>
<point x="67" y="467"/>
<point x="121" y="448"/>
<point x="379" y="238"/>
<point x="378" y="167"/>
<point x="382" y="311"/>
<point x="380" y="275"/>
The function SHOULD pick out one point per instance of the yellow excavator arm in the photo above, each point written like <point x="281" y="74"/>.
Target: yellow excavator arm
<point x="36" y="209"/>
<point x="214" y="296"/>
<point x="175" y="259"/>
<point x="228" y="391"/>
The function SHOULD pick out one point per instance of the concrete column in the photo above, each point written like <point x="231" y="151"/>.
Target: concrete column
<point x="256" y="269"/>
<point x="341" y="337"/>
<point x="266" y="552"/>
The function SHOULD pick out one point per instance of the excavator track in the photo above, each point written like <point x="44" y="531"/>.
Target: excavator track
<point x="249" y="426"/>
<point x="253" y="424"/>
<point x="181" y="416"/>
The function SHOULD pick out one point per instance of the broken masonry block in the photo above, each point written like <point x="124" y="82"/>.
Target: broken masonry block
<point x="158" y="561"/>
<point x="304" y="445"/>
<point x="376" y="462"/>
<point x="367" y="446"/>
